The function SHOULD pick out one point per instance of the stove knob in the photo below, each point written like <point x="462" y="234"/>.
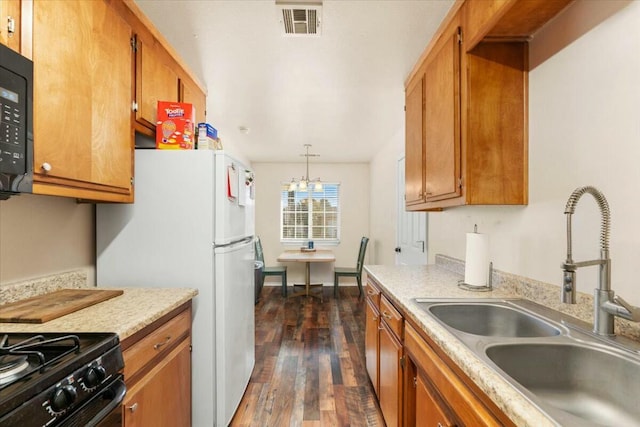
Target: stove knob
<point x="94" y="376"/>
<point x="63" y="397"/>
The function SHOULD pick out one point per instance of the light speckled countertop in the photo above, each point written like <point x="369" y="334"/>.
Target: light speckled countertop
<point x="402" y="283"/>
<point x="124" y="315"/>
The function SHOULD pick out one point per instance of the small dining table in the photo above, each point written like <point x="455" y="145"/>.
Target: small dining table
<point x="307" y="256"/>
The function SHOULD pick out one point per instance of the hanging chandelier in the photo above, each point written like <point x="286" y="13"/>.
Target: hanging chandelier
<point x="305" y="182"/>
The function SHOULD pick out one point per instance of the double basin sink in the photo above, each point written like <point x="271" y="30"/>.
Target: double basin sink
<point x="576" y="377"/>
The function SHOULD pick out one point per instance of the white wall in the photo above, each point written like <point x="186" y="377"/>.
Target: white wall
<point x="384" y="214"/>
<point x="354" y="211"/>
<point x="42" y="235"/>
<point x="584" y="129"/>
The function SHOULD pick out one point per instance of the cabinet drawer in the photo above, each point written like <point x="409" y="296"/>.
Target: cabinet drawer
<point x="158" y="342"/>
<point x="373" y="293"/>
<point x="391" y="317"/>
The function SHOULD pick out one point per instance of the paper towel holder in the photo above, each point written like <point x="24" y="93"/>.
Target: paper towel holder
<point x="487" y="288"/>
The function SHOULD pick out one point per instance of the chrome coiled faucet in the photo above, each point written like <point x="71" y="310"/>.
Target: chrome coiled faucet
<point x="605" y="303"/>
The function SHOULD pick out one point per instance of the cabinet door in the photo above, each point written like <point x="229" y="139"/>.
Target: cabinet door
<point x="82" y="86"/>
<point x="156" y="80"/>
<point x="112" y="80"/>
<point x="390" y="378"/>
<point x="429" y="413"/>
<point x="371" y="344"/>
<point x="10" y="23"/>
<point x="191" y="93"/>
<point x="163" y="396"/>
<point x="414" y="145"/>
<point x="442" y="120"/>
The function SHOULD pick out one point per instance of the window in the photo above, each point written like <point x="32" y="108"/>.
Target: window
<point x="310" y="214"/>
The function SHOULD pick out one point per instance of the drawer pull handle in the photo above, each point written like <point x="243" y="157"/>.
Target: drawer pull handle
<point x="386" y="315"/>
<point x="370" y="292"/>
<point x="160" y="344"/>
<point x="133" y="407"/>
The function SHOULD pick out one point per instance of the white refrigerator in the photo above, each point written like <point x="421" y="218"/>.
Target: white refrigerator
<point x="192" y="225"/>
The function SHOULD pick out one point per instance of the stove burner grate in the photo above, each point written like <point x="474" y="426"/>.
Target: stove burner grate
<point x="36" y="351"/>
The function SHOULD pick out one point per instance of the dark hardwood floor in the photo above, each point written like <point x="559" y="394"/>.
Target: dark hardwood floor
<point x="310" y="368"/>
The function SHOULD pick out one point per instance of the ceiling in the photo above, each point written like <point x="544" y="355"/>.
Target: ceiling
<point x="342" y="91"/>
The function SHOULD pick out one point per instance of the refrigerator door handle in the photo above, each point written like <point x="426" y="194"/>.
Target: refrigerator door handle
<point x="242" y="241"/>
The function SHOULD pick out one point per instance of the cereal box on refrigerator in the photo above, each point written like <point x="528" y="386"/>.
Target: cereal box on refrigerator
<point x="175" y="128"/>
<point x="207" y="136"/>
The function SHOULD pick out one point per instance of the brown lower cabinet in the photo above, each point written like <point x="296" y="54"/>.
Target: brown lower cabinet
<point x="158" y="373"/>
<point x="430" y="411"/>
<point x="437" y="394"/>
<point x="384" y="354"/>
<point x="372" y="343"/>
<point x="390" y="360"/>
<point x="416" y="384"/>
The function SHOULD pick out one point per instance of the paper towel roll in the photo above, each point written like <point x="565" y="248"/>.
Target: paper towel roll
<point x="476" y="268"/>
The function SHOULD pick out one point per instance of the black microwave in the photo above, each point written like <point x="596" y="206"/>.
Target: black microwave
<point x="16" y="123"/>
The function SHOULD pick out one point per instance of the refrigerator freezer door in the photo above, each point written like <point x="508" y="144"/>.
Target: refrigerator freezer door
<point x="233" y="220"/>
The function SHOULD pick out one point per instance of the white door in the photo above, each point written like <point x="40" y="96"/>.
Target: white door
<point x="411" y="247"/>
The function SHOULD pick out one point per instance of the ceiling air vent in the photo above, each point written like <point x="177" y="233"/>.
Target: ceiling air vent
<point x="301" y="18"/>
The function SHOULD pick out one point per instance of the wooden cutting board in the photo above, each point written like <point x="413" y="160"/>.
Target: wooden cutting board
<point x="56" y="304"/>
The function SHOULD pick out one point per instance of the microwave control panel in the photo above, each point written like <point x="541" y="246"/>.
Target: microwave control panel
<point x="13" y="133"/>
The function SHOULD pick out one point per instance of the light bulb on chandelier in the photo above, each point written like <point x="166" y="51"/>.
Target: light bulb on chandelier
<point x="304" y="183"/>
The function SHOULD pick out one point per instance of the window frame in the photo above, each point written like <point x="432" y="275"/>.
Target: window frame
<point x="302" y="241"/>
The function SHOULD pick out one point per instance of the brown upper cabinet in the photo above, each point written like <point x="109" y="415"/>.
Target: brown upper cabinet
<point x="466" y="107"/>
<point x="107" y="58"/>
<point x="156" y="80"/>
<point x="160" y="78"/>
<point x="414" y="153"/>
<point x="441" y="114"/>
<point x="83" y="138"/>
<point x="11" y="13"/>
<point x="159" y="73"/>
<point x="433" y="123"/>
<point x="508" y="20"/>
<point x="192" y="94"/>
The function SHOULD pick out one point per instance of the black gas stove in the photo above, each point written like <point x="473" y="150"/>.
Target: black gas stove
<point x="57" y="379"/>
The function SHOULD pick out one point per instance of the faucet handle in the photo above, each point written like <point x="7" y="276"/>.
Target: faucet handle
<point x="633" y="312"/>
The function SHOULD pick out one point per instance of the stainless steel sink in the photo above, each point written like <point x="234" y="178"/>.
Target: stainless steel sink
<point x="590" y="382"/>
<point x="573" y="375"/>
<point x="492" y="320"/>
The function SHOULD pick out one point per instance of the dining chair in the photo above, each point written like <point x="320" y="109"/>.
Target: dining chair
<point x="279" y="270"/>
<point x="350" y="271"/>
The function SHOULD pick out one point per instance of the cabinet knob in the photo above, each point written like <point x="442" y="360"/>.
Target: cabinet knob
<point x="46" y="167"/>
<point x="133" y="407"/>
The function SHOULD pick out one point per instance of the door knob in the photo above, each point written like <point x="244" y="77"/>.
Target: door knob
<point x="398" y="249"/>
